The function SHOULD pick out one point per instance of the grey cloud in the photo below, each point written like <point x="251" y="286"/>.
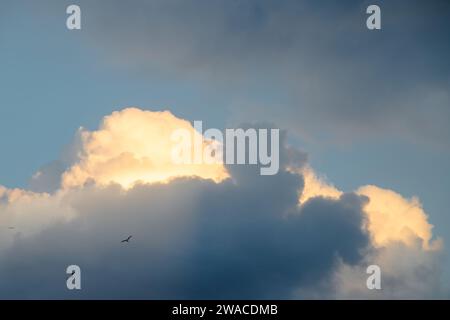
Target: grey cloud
<point x="245" y="238"/>
<point x="309" y="62"/>
<point x="318" y="59"/>
<point x="406" y="273"/>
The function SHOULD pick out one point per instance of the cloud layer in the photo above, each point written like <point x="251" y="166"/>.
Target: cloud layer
<point x="318" y="60"/>
<point x="225" y="232"/>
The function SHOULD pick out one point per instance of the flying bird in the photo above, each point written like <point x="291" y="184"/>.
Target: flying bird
<point x="126" y="240"/>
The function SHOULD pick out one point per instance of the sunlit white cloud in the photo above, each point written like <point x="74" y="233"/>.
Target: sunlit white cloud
<point x="391" y="217"/>
<point x="405" y="249"/>
<point x="134" y="146"/>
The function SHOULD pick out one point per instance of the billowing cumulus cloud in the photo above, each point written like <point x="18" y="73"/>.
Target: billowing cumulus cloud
<point x="394" y="218"/>
<point x="402" y="240"/>
<point x="224" y="232"/>
<point x="135" y="145"/>
<point x="391" y="217"/>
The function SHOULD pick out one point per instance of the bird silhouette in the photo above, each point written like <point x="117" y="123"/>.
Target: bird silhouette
<point x="127" y="239"/>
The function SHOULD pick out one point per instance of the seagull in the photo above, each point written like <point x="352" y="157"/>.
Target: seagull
<point x="126" y="240"/>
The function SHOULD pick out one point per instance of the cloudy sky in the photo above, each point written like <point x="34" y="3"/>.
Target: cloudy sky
<point x="85" y="123"/>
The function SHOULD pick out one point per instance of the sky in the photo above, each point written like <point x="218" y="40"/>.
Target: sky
<point x="365" y="113"/>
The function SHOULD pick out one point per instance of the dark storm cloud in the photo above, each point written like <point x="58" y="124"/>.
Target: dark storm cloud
<point x="243" y="238"/>
<point x="317" y="58"/>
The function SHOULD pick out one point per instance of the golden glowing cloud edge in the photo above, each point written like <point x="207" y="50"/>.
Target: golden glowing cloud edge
<point x="391" y="217"/>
